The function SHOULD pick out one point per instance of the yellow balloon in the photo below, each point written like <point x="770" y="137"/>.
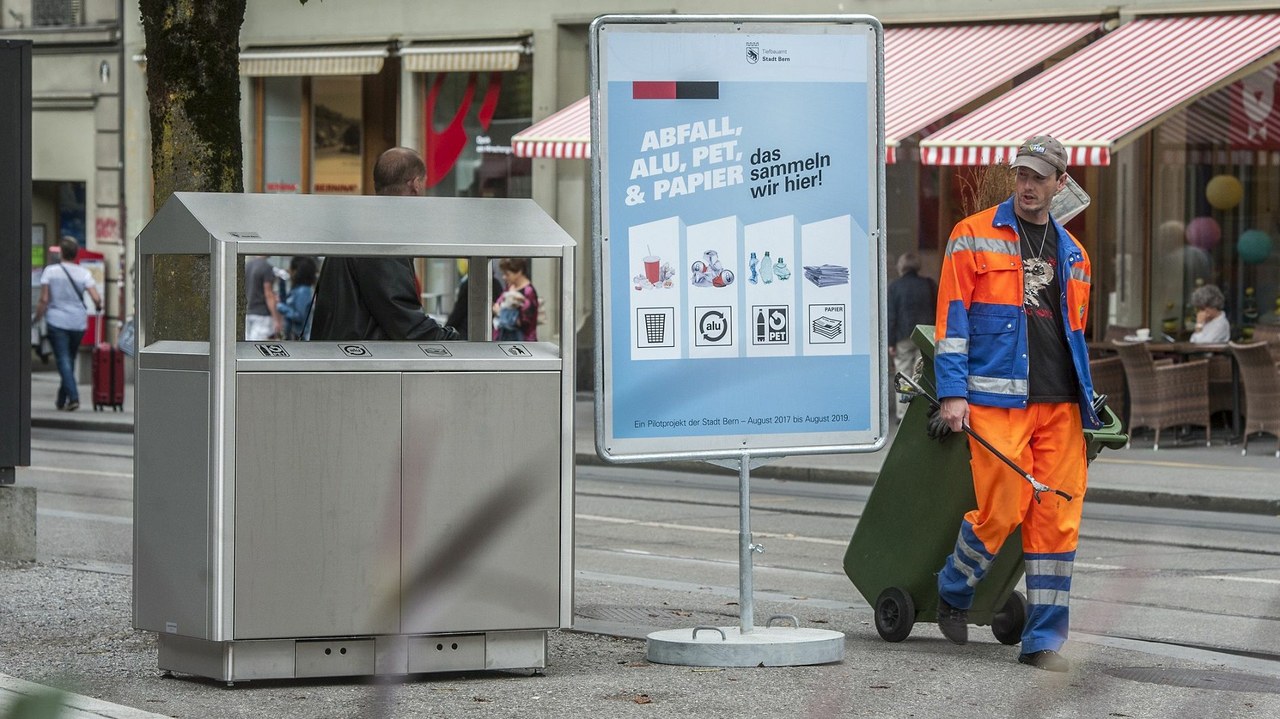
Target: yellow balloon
<point x="1224" y="192"/>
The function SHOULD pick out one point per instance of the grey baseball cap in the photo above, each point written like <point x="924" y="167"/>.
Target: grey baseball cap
<point x="1041" y="154"/>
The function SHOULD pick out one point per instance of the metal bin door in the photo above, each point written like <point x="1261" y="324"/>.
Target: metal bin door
<point x="317" y="522"/>
<point x="481" y="502"/>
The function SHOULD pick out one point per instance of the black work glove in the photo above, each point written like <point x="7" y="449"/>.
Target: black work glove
<point x="937" y="428"/>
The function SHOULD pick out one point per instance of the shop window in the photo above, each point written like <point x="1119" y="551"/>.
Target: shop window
<point x="312" y="134"/>
<point x="282" y="130"/>
<point x="469" y="119"/>
<point x="1216" y="208"/>
<point x="337" y="136"/>
<point x="56" y="13"/>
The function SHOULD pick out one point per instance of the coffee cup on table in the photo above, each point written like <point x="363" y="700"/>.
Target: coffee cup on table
<point x="1143" y="334"/>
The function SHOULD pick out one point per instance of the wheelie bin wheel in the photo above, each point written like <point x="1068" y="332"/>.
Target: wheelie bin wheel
<point x="895" y="614"/>
<point x="1008" y="622"/>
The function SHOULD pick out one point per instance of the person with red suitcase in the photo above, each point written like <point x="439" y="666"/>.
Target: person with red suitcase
<point x="108" y="372"/>
<point x="62" y="289"/>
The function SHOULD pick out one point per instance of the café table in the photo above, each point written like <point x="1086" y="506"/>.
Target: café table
<point x="1183" y="350"/>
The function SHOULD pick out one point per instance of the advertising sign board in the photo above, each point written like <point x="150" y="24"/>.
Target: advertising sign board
<point x="739" y="179"/>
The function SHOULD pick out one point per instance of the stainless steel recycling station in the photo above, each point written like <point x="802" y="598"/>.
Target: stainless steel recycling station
<point x="308" y="509"/>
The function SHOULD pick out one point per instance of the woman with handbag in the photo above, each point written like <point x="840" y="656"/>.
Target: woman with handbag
<point x="62" y="288"/>
<point x="516" y="311"/>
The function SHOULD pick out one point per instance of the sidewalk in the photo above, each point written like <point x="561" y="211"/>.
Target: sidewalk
<point x="74" y="706"/>
<point x="1190" y="476"/>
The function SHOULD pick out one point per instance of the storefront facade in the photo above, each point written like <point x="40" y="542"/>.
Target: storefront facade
<point x="443" y="79"/>
<point x="77" y="178"/>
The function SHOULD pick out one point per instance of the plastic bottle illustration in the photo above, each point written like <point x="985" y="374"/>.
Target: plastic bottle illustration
<point x="766" y="269"/>
<point x="780" y="270"/>
<point x="752" y="264"/>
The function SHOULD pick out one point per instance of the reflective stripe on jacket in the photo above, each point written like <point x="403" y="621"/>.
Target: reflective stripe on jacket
<point x="981" y="327"/>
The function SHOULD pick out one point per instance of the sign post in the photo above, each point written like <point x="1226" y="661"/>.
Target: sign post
<point x="738" y="178"/>
<point x="17" y="504"/>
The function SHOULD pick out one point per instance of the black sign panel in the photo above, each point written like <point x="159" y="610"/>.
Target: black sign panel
<point x="15" y="257"/>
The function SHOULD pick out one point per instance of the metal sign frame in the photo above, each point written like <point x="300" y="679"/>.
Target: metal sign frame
<point x="721" y="131"/>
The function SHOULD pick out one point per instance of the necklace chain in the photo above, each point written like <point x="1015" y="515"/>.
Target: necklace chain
<point x="1043" y="236"/>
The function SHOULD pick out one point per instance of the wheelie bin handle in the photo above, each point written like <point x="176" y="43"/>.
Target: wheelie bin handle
<point x="907" y="386"/>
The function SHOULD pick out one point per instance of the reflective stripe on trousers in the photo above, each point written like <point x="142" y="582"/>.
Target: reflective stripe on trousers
<point x="1048" y="599"/>
<point x="965" y="567"/>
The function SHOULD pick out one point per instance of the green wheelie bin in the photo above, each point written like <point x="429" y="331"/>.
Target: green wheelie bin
<point x="912" y="518"/>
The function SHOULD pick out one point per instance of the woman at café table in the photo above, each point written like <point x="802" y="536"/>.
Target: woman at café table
<point x="1212" y="326"/>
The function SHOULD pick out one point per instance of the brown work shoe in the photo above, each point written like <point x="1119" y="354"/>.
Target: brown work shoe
<point x="1046" y="659"/>
<point x="953" y="622"/>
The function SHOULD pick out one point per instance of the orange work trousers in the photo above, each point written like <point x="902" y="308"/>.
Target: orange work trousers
<point x="1047" y="440"/>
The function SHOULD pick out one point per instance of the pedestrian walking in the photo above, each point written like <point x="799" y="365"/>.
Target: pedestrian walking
<point x="912" y="300"/>
<point x="377" y="298"/>
<point x="296" y="307"/>
<point x="1012" y="364"/>
<point x="262" y="320"/>
<point x="62" y="289"/>
<point x="516" y="311"/>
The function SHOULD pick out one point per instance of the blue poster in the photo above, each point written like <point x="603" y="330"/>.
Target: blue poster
<point x="740" y="178"/>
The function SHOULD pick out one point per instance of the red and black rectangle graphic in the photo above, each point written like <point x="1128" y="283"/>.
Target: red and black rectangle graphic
<point x="672" y="90"/>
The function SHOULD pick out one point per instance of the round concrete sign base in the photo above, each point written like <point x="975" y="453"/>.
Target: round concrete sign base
<point x="730" y="647"/>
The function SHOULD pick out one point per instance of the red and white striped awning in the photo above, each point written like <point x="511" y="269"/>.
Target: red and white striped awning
<point x="1238" y="124"/>
<point x="1111" y="92"/>
<point x="931" y="72"/>
<point x="563" y="134"/>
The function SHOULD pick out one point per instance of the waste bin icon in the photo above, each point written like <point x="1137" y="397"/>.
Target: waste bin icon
<point x="655" y="327"/>
<point x="913" y="514"/>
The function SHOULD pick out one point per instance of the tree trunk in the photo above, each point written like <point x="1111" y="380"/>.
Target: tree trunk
<point x="193" y="92"/>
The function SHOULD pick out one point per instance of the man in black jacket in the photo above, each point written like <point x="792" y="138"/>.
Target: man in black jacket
<point x="376" y="298"/>
<point x="912" y="301"/>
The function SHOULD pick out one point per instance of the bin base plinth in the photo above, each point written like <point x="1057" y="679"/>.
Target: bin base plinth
<point x="730" y="647"/>
<point x="383" y="654"/>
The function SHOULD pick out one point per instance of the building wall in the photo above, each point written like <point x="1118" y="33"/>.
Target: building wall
<point x="76" y="124"/>
<point x="558" y="29"/>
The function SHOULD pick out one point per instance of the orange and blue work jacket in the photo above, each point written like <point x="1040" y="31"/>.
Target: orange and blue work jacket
<point x="981" y="330"/>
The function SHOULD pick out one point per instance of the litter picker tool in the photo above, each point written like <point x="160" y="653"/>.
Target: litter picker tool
<point x="907" y="386"/>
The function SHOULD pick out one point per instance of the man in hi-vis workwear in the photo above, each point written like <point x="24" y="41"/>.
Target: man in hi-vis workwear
<point x="1011" y="363"/>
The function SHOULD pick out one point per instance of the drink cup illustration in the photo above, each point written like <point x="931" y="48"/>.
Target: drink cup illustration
<point x="652" y="269"/>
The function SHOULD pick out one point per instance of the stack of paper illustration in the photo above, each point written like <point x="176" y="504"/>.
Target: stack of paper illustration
<point x="827" y="327"/>
<point x="827" y="275"/>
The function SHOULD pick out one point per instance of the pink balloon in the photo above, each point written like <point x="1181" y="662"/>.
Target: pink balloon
<point x="1204" y="233"/>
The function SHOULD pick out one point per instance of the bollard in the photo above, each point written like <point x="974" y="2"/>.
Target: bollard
<point x="17" y="524"/>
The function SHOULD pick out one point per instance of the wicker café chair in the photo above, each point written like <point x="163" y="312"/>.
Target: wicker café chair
<point x="1222" y="394"/>
<point x="1108" y="379"/>
<point x="1271" y="335"/>
<point x="1261" y="391"/>
<point x="1167" y="395"/>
